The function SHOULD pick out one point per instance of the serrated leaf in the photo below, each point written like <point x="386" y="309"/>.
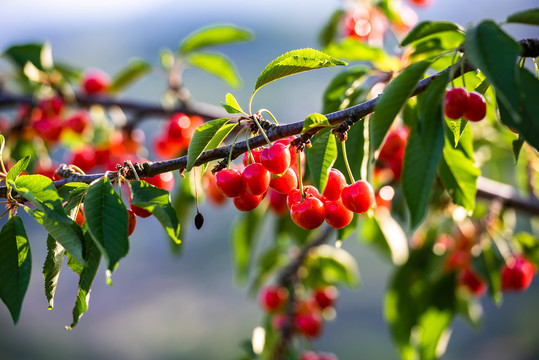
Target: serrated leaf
<point x="231" y="105"/>
<point x="129" y="74"/>
<point x="214" y="35"/>
<point x="202" y="137"/>
<point x="392" y="100"/>
<point x="15" y="265"/>
<point x="40" y="191"/>
<point x="313" y="121"/>
<point x="106" y="216"/>
<point x="17" y="169"/>
<point x="51" y="268"/>
<point x="427" y="28"/>
<point x="457" y="128"/>
<point x="424" y="151"/>
<point x="216" y="64"/>
<point x="294" y="62"/>
<point x="156" y="201"/>
<point x="530" y="17"/>
<point x="321" y="157"/>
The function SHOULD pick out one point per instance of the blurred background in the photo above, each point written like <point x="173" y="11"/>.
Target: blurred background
<point x="189" y="307"/>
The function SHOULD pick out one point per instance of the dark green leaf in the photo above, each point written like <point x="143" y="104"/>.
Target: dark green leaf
<point x="214" y="35"/>
<point x="106" y="216"/>
<point x="321" y="157"/>
<point x="15" y="265"/>
<point x="530" y="17"/>
<point x="427" y="28"/>
<point x="517" y="146"/>
<point x="330" y="29"/>
<point x="345" y="89"/>
<point x="70" y="189"/>
<point x="40" y="191"/>
<point x="392" y="100"/>
<point x="294" y="62"/>
<point x="203" y="135"/>
<point x="21" y="54"/>
<point x="424" y="151"/>
<point x="216" y="64"/>
<point x="51" y="268"/>
<point x="313" y="121"/>
<point x="231" y="105"/>
<point x="456" y="127"/>
<point x="156" y="201"/>
<point x="129" y="74"/>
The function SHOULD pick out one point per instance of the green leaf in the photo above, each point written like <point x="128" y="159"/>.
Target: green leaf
<point x="17" y="169"/>
<point x="216" y="64"/>
<point x="353" y="50"/>
<point x="345" y="89"/>
<point x="517" y="146"/>
<point x="40" y="191"/>
<point x="51" y="268"/>
<point x="427" y="28"/>
<point x="70" y="189"/>
<point x="92" y="255"/>
<point x="529" y="128"/>
<point x="424" y="151"/>
<point x="214" y="35"/>
<point x="313" y="121"/>
<point x="321" y="157"/>
<point x="331" y="28"/>
<point x="328" y="265"/>
<point x="15" y="265"/>
<point x="355" y="151"/>
<point x="106" y="216"/>
<point x="530" y="17"/>
<point x="392" y="100"/>
<point x="435" y="324"/>
<point x="2" y="144"/>
<point x="21" y="54"/>
<point x="231" y="105"/>
<point x="293" y="62"/>
<point x="202" y="137"/>
<point x="129" y="74"/>
<point x="456" y="127"/>
<point x="156" y="201"/>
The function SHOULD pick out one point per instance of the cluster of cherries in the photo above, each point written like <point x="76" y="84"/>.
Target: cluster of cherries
<point x="460" y="103"/>
<point x="275" y="168"/>
<point x="176" y="135"/>
<point x="307" y="319"/>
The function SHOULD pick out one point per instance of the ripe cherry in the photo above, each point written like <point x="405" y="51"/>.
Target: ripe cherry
<point x="95" y="82"/>
<point x="309" y="324"/>
<point x="247" y="159"/>
<point x="85" y="159"/>
<point x="49" y="128"/>
<point x="294" y="196"/>
<point x="272" y="298"/>
<point x="284" y="183"/>
<point x="472" y="282"/>
<point x="78" y="122"/>
<point x="477" y="107"/>
<point x="456" y="103"/>
<point x="394" y="144"/>
<point x="210" y="187"/>
<point x="256" y="179"/>
<point x="79" y="219"/>
<point x="52" y="106"/>
<point x="422" y="3"/>
<point x="336" y="182"/>
<point x="163" y="181"/>
<point x="309" y="213"/>
<point x="309" y="355"/>
<point x="336" y="214"/>
<point x="327" y="356"/>
<point x="132" y="222"/>
<point x="246" y="201"/>
<point x="276" y="158"/>
<point x="229" y="182"/>
<point x="277" y="202"/>
<point x="358" y="197"/>
<point x="326" y="296"/>
<point x="517" y="274"/>
<point x="177" y="125"/>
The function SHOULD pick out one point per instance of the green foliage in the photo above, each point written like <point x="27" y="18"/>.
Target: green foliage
<point x="231" y="105"/>
<point x="327" y="264"/>
<point x="352" y="50"/>
<point x="132" y="72"/>
<point x="206" y="137"/>
<point x="51" y="268"/>
<point x="321" y="157"/>
<point x="314" y="121"/>
<point x="217" y="65"/>
<point x="428" y="28"/>
<point x="212" y="36"/>
<point x="530" y="17"/>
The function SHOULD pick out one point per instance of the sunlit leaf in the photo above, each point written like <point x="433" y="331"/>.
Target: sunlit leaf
<point x="216" y="64"/>
<point x="313" y="121"/>
<point x="202" y="137"/>
<point x="212" y="36"/>
<point x="321" y="157"/>
<point x="427" y="28"/>
<point x="129" y="74"/>
<point x="231" y="105"/>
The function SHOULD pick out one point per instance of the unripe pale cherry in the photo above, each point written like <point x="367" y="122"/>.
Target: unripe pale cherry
<point x="456" y="103"/>
<point x="477" y="107"/>
<point x="309" y="213"/>
<point x="229" y="182"/>
<point x="276" y="158"/>
<point x="358" y="197"/>
<point x="517" y="274"/>
<point x="336" y="214"/>
<point x="336" y="182"/>
<point x="256" y="179"/>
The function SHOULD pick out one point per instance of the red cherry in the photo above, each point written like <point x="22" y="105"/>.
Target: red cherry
<point x="277" y="202"/>
<point x="456" y="103"/>
<point x="246" y="201"/>
<point x="210" y="187"/>
<point x="163" y="181"/>
<point x="284" y="183"/>
<point x="178" y="123"/>
<point x="247" y="158"/>
<point x="229" y="182"/>
<point x="422" y="3"/>
<point x="326" y="297"/>
<point x="132" y="222"/>
<point x="394" y="144"/>
<point x="477" y="107"/>
<point x="276" y="158"/>
<point x="140" y="212"/>
<point x="95" y="82"/>
<point x="78" y="122"/>
<point x="165" y="149"/>
<point x="309" y="324"/>
<point x="517" y="274"/>
<point x="52" y="106"/>
<point x="309" y="355"/>
<point x="336" y="214"/>
<point x="336" y="182"/>
<point x="327" y="356"/>
<point x="294" y="196"/>
<point x="256" y="179"/>
<point x="85" y="158"/>
<point x="79" y="219"/>
<point x="358" y="197"/>
<point x="308" y="214"/>
<point x="273" y="298"/>
<point x="472" y="282"/>
<point x="49" y="128"/>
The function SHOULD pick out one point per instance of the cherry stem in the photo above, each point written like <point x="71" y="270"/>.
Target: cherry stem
<point x="196" y="190"/>
<point x="130" y="164"/>
<point x="232" y="147"/>
<point x="270" y="114"/>
<point x="250" y="157"/>
<point x="453" y="62"/>
<point x="300" y="176"/>
<point x="261" y="130"/>
<point x="343" y="145"/>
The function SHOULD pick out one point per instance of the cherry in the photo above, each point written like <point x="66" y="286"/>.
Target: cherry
<point x="477" y="107"/>
<point x="309" y="324"/>
<point x="309" y="355"/>
<point x="246" y="201"/>
<point x="95" y="82"/>
<point x="79" y="219"/>
<point x="132" y="222"/>
<point x="277" y="202"/>
<point x="210" y="187"/>
<point x="52" y="106"/>
<point x="256" y="155"/>
<point x="327" y="356"/>
<point x="336" y="182"/>
<point x="336" y="214"/>
<point x="177" y="125"/>
<point x="276" y="158"/>
<point x="394" y="144"/>
<point x="456" y="103"/>
<point x="326" y="296"/>
<point x="163" y="181"/>
<point x="273" y="298"/>
<point x="229" y="182"/>
<point x="49" y="128"/>
<point x="85" y="159"/>
<point x="140" y="212"/>
<point x="284" y="183"/>
<point x="471" y="281"/>
<point x="164" y="148"/>
<point x="358" y="197"/>
<point x="256" y="179"/>
<point x="78" y="122"/>
<point x="294" y="196"/>
<point x="309" y="213"/>
<point x="517" y="274"/>
<point x="422" y="3"/>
